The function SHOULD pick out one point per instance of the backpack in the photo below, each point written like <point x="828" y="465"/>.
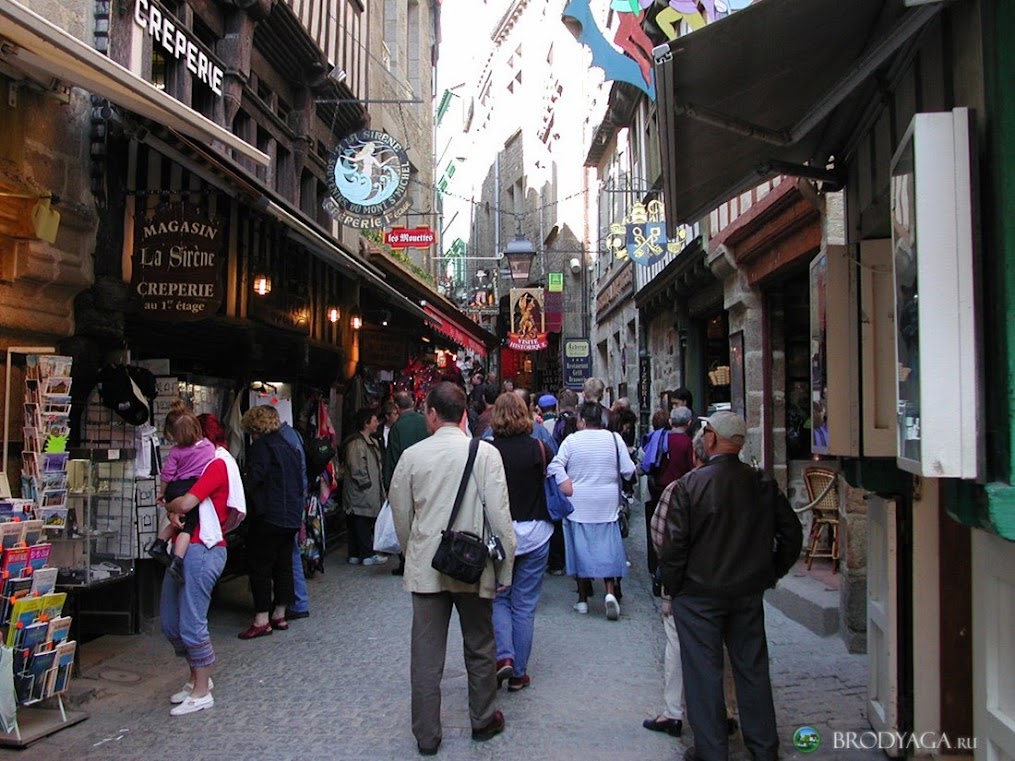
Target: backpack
<point x="128" y="391"/>
<point x="319" y="452"/>
<point x="565" y="425"/>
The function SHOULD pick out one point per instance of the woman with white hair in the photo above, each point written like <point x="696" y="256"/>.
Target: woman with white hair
<point x="589" y="468"/>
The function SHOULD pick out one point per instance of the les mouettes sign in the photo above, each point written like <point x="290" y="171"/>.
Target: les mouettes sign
<point x="411" y="237"/>
<point x="368" y="176"/>
<point x="177" y="263"/>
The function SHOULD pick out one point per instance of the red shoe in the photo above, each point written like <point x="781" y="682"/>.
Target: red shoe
<point x="517" y="683"/>
<point x="255" y="631"/>
<point x="505" y="668"/>
<point x="279" y="623"/>
<point x="491" y="729"/>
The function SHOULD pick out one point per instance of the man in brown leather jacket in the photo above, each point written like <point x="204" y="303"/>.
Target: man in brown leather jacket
<point x="730" y="535"/>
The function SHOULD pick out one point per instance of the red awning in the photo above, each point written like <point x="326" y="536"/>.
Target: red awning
<point x="444" y="325"/>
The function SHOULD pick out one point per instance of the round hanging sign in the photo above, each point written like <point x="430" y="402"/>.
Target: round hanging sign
<point x="368" y="178"/>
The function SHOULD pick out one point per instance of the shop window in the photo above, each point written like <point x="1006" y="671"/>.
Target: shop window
<point x="797" y="338"/>
<point x="717" y="359"/>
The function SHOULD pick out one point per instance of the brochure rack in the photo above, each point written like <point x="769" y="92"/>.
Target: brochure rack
<point x="36" y="632"/>
<point x="32" y="623"/>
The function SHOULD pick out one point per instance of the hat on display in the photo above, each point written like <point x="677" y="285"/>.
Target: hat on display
<point x="727" y="425"/>
<point x="547" y="401"/>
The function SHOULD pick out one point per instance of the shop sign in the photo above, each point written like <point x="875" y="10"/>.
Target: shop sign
<point x="382" y="349"/>
<point x="642" y="235"/>
<point x="577" y="362"/>
<point x="177" y="263"/>
<point x="555" y="282"/>
<point x="644" y="382"/>
<point x="177" y="43"/>
<point x="368" y="178"/>
<point x="528" y="320"/>
<point x="410" y="237"/>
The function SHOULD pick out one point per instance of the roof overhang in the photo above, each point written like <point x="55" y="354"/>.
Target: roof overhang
<point x="224" y="173"/>
<point x="31" y="44"/>
<point x="442" y="314"/>
<point x="756" y="94"/>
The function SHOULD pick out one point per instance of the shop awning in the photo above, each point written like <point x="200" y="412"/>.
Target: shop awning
<point x="31" y="44"/>
<point x="444" y="325"/>
<point x="756" y="94"/>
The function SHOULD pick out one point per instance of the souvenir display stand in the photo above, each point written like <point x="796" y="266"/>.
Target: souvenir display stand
<point x="40" y="652"/>
<point x="34" y="626"/>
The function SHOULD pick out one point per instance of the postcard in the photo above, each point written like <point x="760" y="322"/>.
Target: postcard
<point x="54" y="365"/>
<point x="53" y="517"/>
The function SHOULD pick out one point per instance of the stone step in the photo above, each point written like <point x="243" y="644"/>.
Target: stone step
<point x="808" y="601"/>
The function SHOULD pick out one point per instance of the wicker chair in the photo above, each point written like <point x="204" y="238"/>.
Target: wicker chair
<point x="824" y="506"/>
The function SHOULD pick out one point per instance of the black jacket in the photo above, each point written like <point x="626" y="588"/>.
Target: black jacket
<point x="274" y="482"/>
<point x="730" y="532"/>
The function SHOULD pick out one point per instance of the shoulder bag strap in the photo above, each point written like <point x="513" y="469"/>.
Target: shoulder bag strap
<point x="620" y="478"/>
<point x="542" y="449"/>
<point x="473" y="448"/>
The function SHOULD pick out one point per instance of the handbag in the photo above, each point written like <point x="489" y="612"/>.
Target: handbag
<point x="623" y="506"/>
<point x="557" y="504"/>
<point x="461" y="554"/>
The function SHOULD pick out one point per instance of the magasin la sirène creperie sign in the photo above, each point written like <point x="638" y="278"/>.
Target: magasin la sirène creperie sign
<point x="177" y="263"/>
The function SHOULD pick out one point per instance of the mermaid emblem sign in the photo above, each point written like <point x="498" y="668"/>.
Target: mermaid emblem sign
<point x="368" y="175"/>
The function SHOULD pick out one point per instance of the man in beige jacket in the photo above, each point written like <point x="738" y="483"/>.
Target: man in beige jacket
<point x="422" y="493"/>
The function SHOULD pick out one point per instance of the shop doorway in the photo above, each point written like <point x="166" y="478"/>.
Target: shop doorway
<point x="717" y="361"/>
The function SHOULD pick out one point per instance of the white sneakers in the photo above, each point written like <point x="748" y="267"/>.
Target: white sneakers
<point x="375" y="560"/>
<point x="188" y="688"/>
<point x="612" y="608"/>
<point x="192" y="705"/>
<point x="581" y="607"/>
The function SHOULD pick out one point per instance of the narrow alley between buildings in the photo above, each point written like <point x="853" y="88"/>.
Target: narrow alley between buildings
<point x="336" y="685"/>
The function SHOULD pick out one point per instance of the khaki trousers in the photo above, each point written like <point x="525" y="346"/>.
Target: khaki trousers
<point x="431" y="614"/>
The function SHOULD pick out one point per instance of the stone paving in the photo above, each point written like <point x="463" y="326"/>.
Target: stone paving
<point x="335" y="686"/>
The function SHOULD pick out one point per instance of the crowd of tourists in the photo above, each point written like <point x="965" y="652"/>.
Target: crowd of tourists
<point x="488" y="491"/>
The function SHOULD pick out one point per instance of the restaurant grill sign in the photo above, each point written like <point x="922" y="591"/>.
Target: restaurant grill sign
<point x="177" y="263"/>
<point x="368" y="178"/>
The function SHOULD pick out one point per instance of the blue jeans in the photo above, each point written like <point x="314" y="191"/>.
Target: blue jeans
<point x="301" y="600"/>
<point x="514" y="611"/>
<point x="183" y="609"/>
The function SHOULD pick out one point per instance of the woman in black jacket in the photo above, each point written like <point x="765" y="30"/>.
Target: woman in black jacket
<point x="514" y="609"/>
<point x="274" y="489"/>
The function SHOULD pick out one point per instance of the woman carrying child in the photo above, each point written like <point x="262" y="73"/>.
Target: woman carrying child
<point x="186" y="461"/>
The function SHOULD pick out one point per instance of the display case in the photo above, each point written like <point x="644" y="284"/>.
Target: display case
<point x="98" y="541"/>
<point x="933" y="249"/>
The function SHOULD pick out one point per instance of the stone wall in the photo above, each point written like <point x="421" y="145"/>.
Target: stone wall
<point x="853" y="567"/>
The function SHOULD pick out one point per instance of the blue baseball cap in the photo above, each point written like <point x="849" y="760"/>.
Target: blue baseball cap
<point x="547" y="401"/>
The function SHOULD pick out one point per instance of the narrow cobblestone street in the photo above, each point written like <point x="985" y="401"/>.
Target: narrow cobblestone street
<point x="335" y="686"/>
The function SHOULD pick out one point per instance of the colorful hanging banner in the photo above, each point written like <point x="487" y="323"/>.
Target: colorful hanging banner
<point x="528" y="320"/>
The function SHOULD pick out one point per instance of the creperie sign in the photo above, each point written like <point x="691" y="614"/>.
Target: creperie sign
<point x="410" y="237"/>
<point x="177" y="43"/>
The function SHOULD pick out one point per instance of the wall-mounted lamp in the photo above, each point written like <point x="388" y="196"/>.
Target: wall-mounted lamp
<point x="334" y="314"/>
<point x="338" y="75"/>
<point x="355" y="320"/>
<point x="262" y="284"/>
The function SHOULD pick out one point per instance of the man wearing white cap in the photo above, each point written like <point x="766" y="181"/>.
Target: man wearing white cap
<point x="730" y="535"/>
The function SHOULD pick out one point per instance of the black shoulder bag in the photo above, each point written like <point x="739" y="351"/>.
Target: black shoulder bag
<point x="461" y="554"/>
